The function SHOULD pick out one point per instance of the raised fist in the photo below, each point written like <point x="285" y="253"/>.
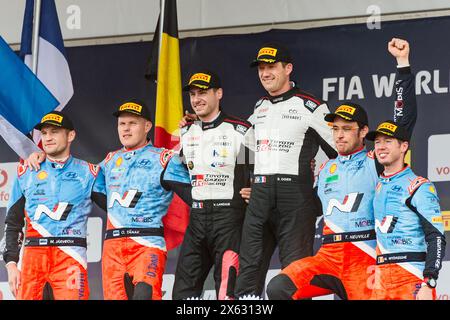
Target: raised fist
<point x="399" y="48"/>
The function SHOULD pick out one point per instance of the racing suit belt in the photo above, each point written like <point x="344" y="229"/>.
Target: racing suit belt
<point x="401" y="257"/>
<point x="133" y="232"/>
<point x="56" y="242"/>
<point x="349" y="236"/>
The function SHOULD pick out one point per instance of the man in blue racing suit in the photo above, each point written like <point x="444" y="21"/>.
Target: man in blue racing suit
<point x="408" y="223"/>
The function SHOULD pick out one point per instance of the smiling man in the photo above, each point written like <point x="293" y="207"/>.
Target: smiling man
<point x="219" y="168"/>
<point x="408" y="223"/>
<point x="56" y="202"/>
<point x="138" y="181"/>
<point x="289" y="128"/>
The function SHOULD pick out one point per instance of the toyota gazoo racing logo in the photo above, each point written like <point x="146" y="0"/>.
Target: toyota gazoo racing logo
<point x="350" y="204"/>
<point x="128" y="200"/>
<point x="263" y="145"/>
<point x="198" y="180"/>
<point x="59" y="212"/>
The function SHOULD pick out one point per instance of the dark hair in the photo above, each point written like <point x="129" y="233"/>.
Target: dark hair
<point x="361" y="125"/>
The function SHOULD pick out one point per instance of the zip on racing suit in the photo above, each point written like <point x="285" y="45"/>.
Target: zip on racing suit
<point x="345" y="263"/>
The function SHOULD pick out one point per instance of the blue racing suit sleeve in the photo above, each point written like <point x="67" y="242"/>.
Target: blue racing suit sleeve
<point x="15" y="220"/>
<point x="175" y="177"/>
<point x="425" y="203"/>
<point x="98" y="195"/>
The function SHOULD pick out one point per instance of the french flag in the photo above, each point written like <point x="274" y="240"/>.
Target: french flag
<point x="52" y="66"/>
<point x="23" y="98"/>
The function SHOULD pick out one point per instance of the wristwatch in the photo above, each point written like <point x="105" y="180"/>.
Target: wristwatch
<point x="430" y="282"/>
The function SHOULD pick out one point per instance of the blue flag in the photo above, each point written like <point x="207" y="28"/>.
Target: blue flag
<point x="23" y="97"/>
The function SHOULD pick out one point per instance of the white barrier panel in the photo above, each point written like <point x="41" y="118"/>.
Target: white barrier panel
<point x="8" y="172"/>
<point x="439" y="157"/>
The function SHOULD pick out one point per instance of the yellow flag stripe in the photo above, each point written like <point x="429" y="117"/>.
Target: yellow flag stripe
<point x="408" y="157"/>
<point x="169" y="102"/>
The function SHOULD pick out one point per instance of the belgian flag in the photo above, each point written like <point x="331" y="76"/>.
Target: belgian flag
<point x="165" y="69"/>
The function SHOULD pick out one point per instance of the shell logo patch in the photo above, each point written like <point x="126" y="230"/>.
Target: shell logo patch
<point x="42" y="175"/>
<point x="333" y="168"/>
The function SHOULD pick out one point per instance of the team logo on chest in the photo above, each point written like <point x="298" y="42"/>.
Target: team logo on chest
<point x="129" y="199"/>
<point x="387" y="225"/>
<point x="59" y="212"/>
<point x="350" y="204"/>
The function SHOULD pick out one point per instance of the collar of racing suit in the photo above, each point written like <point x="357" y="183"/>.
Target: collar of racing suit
<point x="215" y="123"/>
<point x="396" y="175"/>
<point x="56" y="164"/>
<point x="149" y="142"/>
<point x="350" y="156"/>
<point x="282" y="97"/>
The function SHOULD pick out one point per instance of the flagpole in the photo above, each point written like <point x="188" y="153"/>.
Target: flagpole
<point x="161" y="28"/>
<point x="36" y="23"/>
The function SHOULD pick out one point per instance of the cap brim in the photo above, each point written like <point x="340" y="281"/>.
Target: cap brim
<point x="331" y="116"/>
<point x="373" y="134"/>
<point x="256" y="62"/>
<point x="39" y="126"/>
<point x="118" y="113"/>
<point x="202" y="87"/>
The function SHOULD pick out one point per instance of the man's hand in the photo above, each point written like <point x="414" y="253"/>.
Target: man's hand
<point x="425" y="293"/>
<point x="399" y="49"/>
<point x="186" y="118"/>
<point x="13" y="278"/>
<point x="245" y="194"/>
<point x="34" y="160"/>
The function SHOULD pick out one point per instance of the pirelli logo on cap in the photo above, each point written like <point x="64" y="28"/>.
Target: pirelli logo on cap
<point x="387" y="126"/>
<point x="52" y="117"/>
<point x="266" y="51"/>
<point x="347" y="109"/>
<point x="200" y="77"/>
<point x="131" y="106"/>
